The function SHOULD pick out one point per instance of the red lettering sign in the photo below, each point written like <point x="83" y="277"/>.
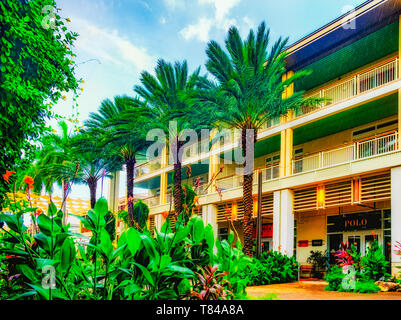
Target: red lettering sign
<point x="267" y="231"/>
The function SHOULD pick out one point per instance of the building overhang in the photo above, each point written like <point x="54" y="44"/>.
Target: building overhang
<point x="345" y="30"/>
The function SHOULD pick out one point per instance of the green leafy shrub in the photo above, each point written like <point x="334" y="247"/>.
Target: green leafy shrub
<point x="139" y="267"/>
<point x="374" y="265"/>
<point x="273" y="267"/>
<point x="362" y="272"/>
<point x="334" y="278"/>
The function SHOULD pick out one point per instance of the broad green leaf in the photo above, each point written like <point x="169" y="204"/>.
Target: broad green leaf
<point x="197" y="229"/>
<point x="164" y="261"/>
<point x="46" y="225"/>
<point x="146" y="273"/>
<point x="101" y="207"/>
<point x="67" y="255"/>
<point x="28" y="272"/>
<point x="231" y="237"/>
<point x="133" y="240"/>
<point x="43" y="241"/>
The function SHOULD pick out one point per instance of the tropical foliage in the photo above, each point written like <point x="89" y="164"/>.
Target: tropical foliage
<point x="172" y="265"/>
<point x="272" y="267"/>
<point x="36" y="68"/>
<point x="356" y="274"/>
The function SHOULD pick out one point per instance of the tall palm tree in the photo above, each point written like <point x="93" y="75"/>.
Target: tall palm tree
<point x="56" y="153"/>
<point x="121" y="124"/>
<point x="94" y="164"/>
<point x="166" y="94"/>
<point x="248" y="93"/>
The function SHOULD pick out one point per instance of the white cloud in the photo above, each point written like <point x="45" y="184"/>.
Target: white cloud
<point x="163" y="20"/>
<point x="109" y="46"/>
<point x="201" y="29"/>
<point x="222" y="7"/>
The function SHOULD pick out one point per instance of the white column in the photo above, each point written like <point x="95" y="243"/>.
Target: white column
<point x="209" y="216"/>
<point x="158" y="222"/>
<point x="276" y="219"/>
<point x="395" y="215"/>
<point x="287" y="223"/>
<point x="113" y="194"/>
<point x="283" y="222"/>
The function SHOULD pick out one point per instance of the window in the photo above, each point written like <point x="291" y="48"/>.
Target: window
<point x="223" y="233"/>
<point x="298" y="165"/>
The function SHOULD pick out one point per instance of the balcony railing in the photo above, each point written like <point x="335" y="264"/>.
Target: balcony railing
<point x="354" y="86"/>
<point x="269" y="173"/>
<point x="362" y="149"/>
<point x="148" y="167"/>
<point x="152" y="201"/>
<point x="235" y="181"/>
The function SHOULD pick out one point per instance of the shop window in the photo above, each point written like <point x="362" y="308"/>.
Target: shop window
<point x="223" y="233"/>
<point x="334" y="244"/>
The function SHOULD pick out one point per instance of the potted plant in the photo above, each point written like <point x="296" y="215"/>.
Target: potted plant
<point x="319" y="261"/>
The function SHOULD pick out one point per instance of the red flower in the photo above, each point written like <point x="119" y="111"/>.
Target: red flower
<point x="29" y="181"/>
<point x="7" y="175"/>
<point x="189" y="170"/>
<point x="38" y="212"/>
<point x="197" y="182"/>
<point x="165" y="214"/>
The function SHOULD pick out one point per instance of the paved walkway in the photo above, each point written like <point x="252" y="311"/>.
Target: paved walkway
<point x="314" y="290"/>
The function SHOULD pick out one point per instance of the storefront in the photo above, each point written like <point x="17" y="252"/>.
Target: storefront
<point x="359" y="229"/>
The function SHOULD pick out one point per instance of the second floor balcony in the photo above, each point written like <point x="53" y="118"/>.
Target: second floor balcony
<point x="354" y="85"/>
<point x="359" y="150"/>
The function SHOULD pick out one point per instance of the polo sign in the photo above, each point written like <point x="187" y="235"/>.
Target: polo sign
<point x="354" y="222"/>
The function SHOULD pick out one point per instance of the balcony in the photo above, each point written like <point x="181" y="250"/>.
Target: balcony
<point x="353" y="86"/>
<point x="359" y="150"/>
<point x="148" y="167"/>
<point x="152" y="201"/>
<point x="268" y="173"/>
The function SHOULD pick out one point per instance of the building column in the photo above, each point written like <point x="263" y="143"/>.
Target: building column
<point x="158" y="221"/>
<point x="283" y="222"/>
<point x="399" y="76"/>
<point x="209" y="216"/>
<point x="286" y="149"/>
<point x="114" y="190"/>
<point x="395" y="217"/>
<point x="214" y="162"/>
<point x="164" y="176"/>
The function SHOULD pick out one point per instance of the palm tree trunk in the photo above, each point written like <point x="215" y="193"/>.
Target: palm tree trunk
<point x="177" y="180"/>
<point x="130" y="166"/>
<point x="64" y="202"/>
<point x="92" y="184"/>
<point x="248" y="201"/>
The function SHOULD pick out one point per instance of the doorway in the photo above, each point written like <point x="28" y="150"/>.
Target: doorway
<point x="363" y="239"/>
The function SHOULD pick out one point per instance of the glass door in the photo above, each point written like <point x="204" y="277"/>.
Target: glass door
<point x="362" y="240"/>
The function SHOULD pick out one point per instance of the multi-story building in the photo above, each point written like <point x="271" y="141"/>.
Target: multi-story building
<point x="331" y="173"/>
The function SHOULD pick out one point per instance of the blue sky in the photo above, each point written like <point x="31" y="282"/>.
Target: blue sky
<point x="123" y="37"/>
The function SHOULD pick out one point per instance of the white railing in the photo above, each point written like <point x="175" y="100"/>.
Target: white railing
<point x="366" y="148"/>
<point x="268" y="173"/>
<point x="359" y="83"/>
<point x="229" y="182"/>
<point x="148" y="167"/>
<point x="152" y="201"/>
